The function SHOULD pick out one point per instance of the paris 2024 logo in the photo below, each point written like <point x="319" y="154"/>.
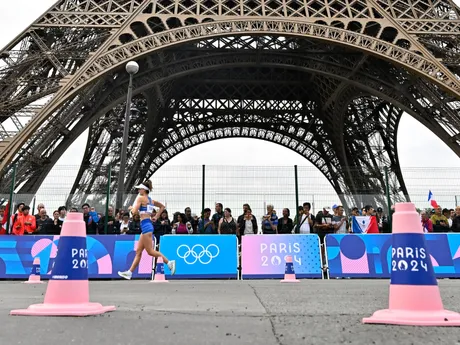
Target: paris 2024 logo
<point x="274" y="254"/>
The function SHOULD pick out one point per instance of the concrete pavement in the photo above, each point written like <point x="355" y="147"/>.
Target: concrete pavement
<point x="222" y="312"/>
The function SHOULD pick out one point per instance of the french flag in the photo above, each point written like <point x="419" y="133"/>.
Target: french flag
<point x="365" y="225"/>
<point x="433" y="203"/>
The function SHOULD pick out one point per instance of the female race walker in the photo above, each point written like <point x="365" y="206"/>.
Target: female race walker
<point x="144" y="205"/>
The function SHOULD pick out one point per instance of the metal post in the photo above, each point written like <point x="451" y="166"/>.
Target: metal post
<point x="107" y="200"/>
<point x="33" y="204"/>
<point x="296" y="188"/>
<point x="387" y="191"/>
<point x="10" y="203"/>
<point x="132" y="68"/>
<point x="203" y="189"/>
<point x="456" y="204"/>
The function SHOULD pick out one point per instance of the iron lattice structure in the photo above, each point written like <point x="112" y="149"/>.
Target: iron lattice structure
<point x="329" y="79"/>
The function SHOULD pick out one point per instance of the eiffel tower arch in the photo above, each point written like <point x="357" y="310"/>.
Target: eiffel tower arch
<point x="327" y="79"/>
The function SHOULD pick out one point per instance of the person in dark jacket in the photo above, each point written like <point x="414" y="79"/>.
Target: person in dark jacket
<point x="162" y="226"/>
<point x="285" y="224"/>
<point x="456" y="220"/>
<point x="135" y="225"/>
<point x="248" y="223"/>
<point x="91" y="219"/>
<point x="113" y="226"/>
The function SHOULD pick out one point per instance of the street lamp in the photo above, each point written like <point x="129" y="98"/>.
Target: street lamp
<point x="132" y="68"/>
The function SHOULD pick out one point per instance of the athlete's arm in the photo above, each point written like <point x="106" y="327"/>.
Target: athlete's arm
<point x="137" y="205"/>
<point x="160" y="206"/>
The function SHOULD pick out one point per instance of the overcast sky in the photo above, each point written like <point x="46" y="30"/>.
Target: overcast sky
<point x="418" y="147"/>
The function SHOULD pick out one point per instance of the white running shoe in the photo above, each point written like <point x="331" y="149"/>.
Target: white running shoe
<point x="172" y="266"/>
<point x="127" y="274"/>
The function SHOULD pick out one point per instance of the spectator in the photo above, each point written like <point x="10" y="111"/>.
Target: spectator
<point x="285" y="224"/>
<point x="182" y="227"/>
<point x="39" y="207"/>
<point x="456" y="220"/>
<point x="3" y="216"/>
<point x="191" y="218"/>
<point x="91" y="219"/>
<point x="298" y="216"/>
<point x="306" y="220"/>
<point x="56" y="224"/>
<point x="62" y="213"/>
<point x="73" y="210"/>
<point x="270" y="221"/>
<point x="124" y="224"/>
<point x="17" y="223"/>
<point x="323" y="223"/>
<point x="135" y="225"/>
<point x="44" y="223"/>
<point x="446" y="213"/>
<point x="248" y="225"/>
<point x="426" y="222"/>
<point x="440" y="223"/>
<point x="216" y="217"/>
<point x="113" y="226"/>
<point x="205" y="224"/>
<point x="245" y="209"/>
<point x="227" y="224"/>
<point x="340" y="221"/>
<point x="373" y="227"/>
<point x="353" y="213"/>
<point x="30" y="224"/>
<point x="162" y="226"/>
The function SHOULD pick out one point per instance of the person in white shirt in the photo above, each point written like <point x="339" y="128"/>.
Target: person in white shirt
<point x="306" y="221"/>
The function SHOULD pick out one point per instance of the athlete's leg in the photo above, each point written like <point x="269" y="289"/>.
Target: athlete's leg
<point x="147" y="238"/>
<point x="139" y="250"/>
<point x="147" y="242"/>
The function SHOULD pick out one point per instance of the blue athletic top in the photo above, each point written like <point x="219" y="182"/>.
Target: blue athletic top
<point x="147" y="208"/>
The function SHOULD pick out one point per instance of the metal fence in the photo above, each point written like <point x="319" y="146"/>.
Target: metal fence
<point x="196" y="187"/>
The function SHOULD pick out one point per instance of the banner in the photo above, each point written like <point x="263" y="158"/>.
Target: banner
<point x="364" y="225"/>
<point x="263" y="256"/>
<point x="107" y="254"/>
<point x="201" y="256"/>
<point x="369" y="256"/>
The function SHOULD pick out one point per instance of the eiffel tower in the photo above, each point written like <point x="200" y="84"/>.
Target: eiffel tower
<point x="329" y="79"/>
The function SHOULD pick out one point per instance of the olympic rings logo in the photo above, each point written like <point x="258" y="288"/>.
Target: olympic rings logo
<point x="198" y="253"/>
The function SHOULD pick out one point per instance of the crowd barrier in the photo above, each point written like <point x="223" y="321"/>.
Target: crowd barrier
<point x="264" y="256"/>
<point x="201" y="256"/>
<point x="211" y="256"/>
<point x="106" y="256"/>
<point x="369" y="255"/>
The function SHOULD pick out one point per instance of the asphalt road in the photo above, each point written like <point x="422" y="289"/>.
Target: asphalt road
<point x="222" y="312"/>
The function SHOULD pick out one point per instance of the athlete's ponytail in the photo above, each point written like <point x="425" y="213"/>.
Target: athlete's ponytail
<point x="148" y="184"/>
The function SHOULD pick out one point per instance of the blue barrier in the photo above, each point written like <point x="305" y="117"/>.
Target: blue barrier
<point x="106" y="256"/>
<point x="264" y="256"/>
<point x="369" y="255"/>
<point x="201" y="256"/>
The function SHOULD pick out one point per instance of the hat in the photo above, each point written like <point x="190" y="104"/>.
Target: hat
<point x="326" y="208"/>
<point x="379" y="209"/>
<point x="334" y="206"/>
<point x="142" y="186"/>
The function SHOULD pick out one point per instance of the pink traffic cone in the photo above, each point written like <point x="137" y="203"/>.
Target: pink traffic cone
<point x="160" y="272"/>
<point x="414" y="293"/>
<point x="67" y="293"/>
<point x="34" y="277"/>
<point x="289" y="274"/>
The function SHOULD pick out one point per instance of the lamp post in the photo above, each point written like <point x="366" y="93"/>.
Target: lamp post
<point x="132" y="68"/>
